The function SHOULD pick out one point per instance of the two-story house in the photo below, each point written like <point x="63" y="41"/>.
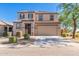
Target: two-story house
<point x="37" y="23"/>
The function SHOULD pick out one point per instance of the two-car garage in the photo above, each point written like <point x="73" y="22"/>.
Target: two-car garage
<point x="47" y="30"/>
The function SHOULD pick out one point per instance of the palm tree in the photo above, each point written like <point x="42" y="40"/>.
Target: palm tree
<point x="70" y="14"/>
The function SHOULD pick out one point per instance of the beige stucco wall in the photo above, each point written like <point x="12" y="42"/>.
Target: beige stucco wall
<point x="46" y="17"/>
<point x="26" y="16"/>
<point x="39" y="30"/>
<point x="17" y="30"/>
<point x="22" y="29"/>
<point x="14" y="28"/>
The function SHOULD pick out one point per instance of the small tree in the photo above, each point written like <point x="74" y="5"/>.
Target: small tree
<point x="70" y="12"/>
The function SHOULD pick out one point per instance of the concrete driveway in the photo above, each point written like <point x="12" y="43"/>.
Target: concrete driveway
<point x="46" y="47"/>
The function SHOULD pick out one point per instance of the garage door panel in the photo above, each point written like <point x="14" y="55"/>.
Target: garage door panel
<point x="47" y="30"/>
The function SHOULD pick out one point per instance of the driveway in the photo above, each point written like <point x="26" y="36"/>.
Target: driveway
<point x="41" y="47"/>
<point x="40" y="41"/>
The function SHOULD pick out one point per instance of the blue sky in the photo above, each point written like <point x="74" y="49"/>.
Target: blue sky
<point x="8" y="11"/>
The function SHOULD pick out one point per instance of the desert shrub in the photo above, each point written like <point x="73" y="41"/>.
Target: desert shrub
<point x="26" y="36"/>
<point x="13" y="39"/>
<point x="77" y="34"/>
<point x="64" y="35"/>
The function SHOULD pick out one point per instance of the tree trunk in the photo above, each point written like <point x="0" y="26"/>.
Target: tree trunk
<point x="74" y="28"/>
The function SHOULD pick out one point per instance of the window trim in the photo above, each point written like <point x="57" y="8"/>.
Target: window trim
<point x="30" y="15"/>
<point x="51" y="18"/>
<point x="22" y="16"/>
<point x="40" y="17"/>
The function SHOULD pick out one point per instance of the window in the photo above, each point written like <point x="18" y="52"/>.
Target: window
<point x="5" y="28"/>
<point x="40" y="18"/>
<point x="30" y="16"/>
<point x="51" y="17"/>
<point x="18" y="25"/>
<point x="22" y="16"/>
<point x="10" y="29"/>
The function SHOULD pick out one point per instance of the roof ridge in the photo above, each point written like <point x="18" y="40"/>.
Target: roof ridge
<point x="5" y="22"/>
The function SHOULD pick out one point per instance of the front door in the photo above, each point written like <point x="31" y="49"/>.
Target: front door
<point x="28" y="28"/>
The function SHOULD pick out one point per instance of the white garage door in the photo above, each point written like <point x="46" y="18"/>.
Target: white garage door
<point x="47" y="30"/>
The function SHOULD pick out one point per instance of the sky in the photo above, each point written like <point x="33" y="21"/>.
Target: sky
<point x="8" y="11"/>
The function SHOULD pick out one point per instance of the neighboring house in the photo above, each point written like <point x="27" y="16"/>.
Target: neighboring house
<point x="37" y="23"/>
<point x="5" y="27"/>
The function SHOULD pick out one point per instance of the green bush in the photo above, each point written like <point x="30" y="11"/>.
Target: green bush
<point x="5" y="34"/>
<point x="26" y="36"/>
<point x="13" y="39"/>
<point x="64" y="35"/>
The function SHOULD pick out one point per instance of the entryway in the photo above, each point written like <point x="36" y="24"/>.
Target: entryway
<point x="28" y="28"/>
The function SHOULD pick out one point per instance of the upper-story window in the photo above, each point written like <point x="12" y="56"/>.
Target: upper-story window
<point x="18" y="25"/>
<point x="51" y="17"/>
<point x="22" y="16"/>
<point x="40" y="17"/>
<point x="30" y="16"/>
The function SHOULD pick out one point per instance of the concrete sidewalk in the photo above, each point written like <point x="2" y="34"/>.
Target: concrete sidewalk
<point x="32" y="51"/>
